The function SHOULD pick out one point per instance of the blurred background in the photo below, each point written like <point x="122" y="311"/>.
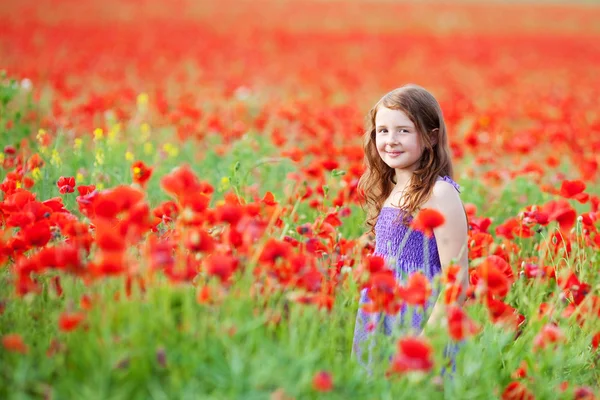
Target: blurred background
<point x="512" y="77"/>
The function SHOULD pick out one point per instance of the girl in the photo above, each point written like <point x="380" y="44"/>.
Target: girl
<point x="408" y="169"/>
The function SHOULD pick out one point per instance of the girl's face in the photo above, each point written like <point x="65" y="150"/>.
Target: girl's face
<point x="397" y="140"/>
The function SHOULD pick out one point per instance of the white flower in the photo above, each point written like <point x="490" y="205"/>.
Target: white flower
<point x="26" y="84"/>
<point x="242" y="93"/>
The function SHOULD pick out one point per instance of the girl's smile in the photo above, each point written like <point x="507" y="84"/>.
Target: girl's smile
<point x="395" y="154"/>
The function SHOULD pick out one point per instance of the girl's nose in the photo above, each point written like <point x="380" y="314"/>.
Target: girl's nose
<point x="394" y="137"/>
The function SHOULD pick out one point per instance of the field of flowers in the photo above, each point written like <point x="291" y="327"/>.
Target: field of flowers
<point x="179" y="213"/>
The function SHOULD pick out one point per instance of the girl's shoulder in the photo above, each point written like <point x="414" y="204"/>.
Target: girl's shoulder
<point x="448" y="182"/>
<point x="445" y="197"/>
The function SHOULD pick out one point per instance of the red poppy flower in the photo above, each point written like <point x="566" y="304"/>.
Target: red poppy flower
<point x="167" y="210"/>
<point x="108" y="263"/>
<point x="480" y="244"/>
<point x="197" y="239"/>
<point x="520" y="372"/>
<point x="108" y="237"/>
<point x="56" y="204"/>
<point x="160" y="253"/>
<point x="230" y="213"/>
<point x="322" y="382"/>
<point x="374" y="263"/>
<point x="550" y="334"/>
<point x="269" y="199"/>
<point x="110" y="203"/>
<point x="20" y="219"/>
<point x="141" y="173"/>
<point x="512" y="228"/>
<point x="452" y="293"/>
<point x="584" y="393"/>
<point x="517" y="391"/>
<point x="383" y="293"/>
<point x="503" y="313"/>
<point x="221" y="265"/>
<point x="596" y="341"/>
<point x="493" y="276"/>
<point x="85" y="189"/>
<point x="561" y="212"/>
<point x="533" y="271"/>
<point x="16" y="201"/>
<point x="69" y="321"/>
<point x="274" y="250"/>
<point x="10" y="150"/>
<point x="61" y="257"/>
<point x="333" y="219"/>
<point x="414" y="354"/>
<point x="417" y="290"/>
<point x="574" y="190"/>
<point x="196" y="202"/>
<point x="85" y="302"/>
<point x="451" y="273"/>
<point x="427" y="220"/>
<point x="182" y="180"/>
<point x="37" y="234"/>
<point x="66" y="184"/>
<point x="14" y="342"/>
<point x="571" y="285"/>
<point x="460" y="325"/>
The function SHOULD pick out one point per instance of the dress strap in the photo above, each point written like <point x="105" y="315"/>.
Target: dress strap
<point x="446" y="178"/>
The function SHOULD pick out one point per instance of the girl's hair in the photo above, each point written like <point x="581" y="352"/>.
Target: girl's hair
<point x="377" y="182"/>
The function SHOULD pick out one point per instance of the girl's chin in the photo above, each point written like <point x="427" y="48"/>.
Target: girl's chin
<point x="397" y="165"/>
<point x="400" y="166"/>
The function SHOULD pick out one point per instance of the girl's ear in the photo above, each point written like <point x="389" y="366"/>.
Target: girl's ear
<point x="434" y="136"/>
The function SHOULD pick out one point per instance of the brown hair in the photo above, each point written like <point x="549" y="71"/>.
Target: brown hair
<point x="377" y="182"/>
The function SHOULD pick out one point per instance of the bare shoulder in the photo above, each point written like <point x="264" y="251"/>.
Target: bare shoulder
<point x="446" y="199"/>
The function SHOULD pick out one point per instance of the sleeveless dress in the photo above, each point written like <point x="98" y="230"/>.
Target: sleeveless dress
<point x="415" y="255"/>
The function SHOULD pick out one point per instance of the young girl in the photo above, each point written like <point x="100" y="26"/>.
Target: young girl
<point x="408" y="169"/>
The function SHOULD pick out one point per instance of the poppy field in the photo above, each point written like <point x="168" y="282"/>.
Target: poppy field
<point x="180" y="214"/>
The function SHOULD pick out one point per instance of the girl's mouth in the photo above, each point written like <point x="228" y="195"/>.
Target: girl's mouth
<point x="394" y="153"/>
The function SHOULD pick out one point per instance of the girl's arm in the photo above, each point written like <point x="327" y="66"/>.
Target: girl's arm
<point x="452" y="241"/>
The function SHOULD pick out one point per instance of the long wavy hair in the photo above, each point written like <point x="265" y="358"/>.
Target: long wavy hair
<point x="378" y="180"/>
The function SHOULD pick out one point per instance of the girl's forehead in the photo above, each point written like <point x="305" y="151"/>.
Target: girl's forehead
<point x="388" y="116"/>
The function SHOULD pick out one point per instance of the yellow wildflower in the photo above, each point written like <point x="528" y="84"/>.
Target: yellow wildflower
<point x="79" y="178"/>
<point x="129" y="156"/>
<point x="40" y="135"/>
<point x="148" y="148"/>
<point x="142" y="102"/>
<point x="100" y="157"/>
<point x="1" y="158"/>
<point x="98" y="134"/>
<point x="145" y="132"/>
<point x="55" y="159"/>
<point x="171" y="150"/>
<point x="36" y="174"/>
<point x="114" y="132"/>
<point x="78" y="142"/>
<point x="224" y="183"/>
<point x="142" y="99"/>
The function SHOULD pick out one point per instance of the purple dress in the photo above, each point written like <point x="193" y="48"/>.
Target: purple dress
<point x="406" y="254"/>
